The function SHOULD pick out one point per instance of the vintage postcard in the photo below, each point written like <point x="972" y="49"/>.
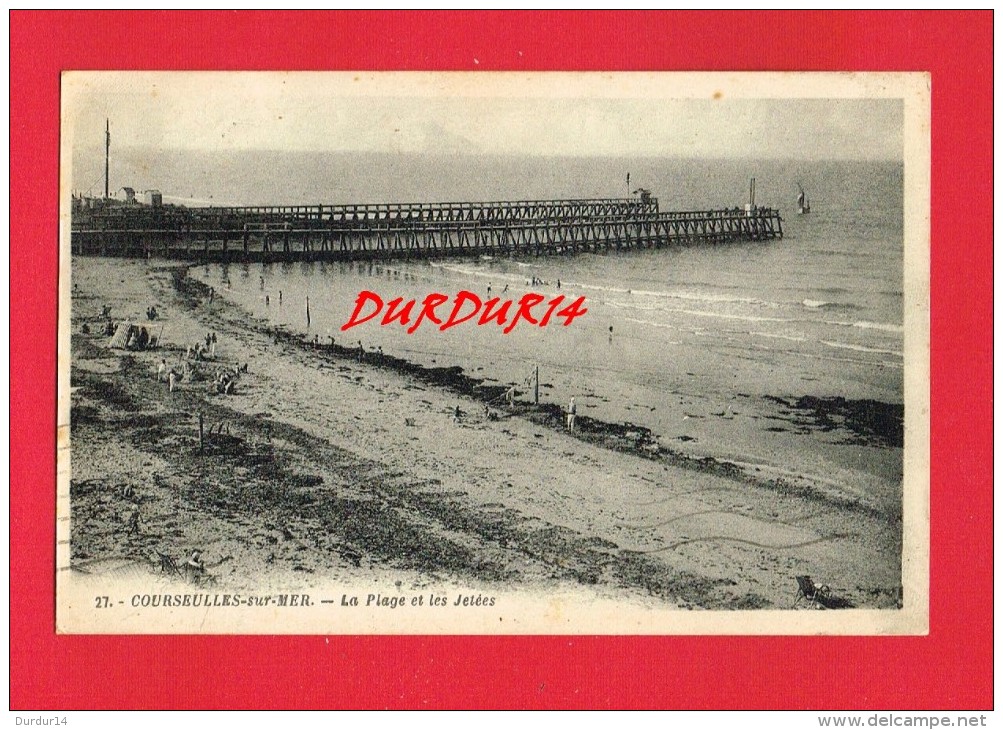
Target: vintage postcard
<point x="513" y="353"/>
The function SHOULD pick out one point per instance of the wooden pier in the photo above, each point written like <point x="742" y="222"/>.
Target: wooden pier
<point x="402" y="231"/>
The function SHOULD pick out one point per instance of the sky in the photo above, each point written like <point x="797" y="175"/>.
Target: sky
<point x="762" y="116"/>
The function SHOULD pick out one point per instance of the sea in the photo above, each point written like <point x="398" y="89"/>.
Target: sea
<point x="696" y="342"/>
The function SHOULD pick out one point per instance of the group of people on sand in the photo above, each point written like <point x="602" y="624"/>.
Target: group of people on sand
<point x="225" y="381"/>
<point x="108" y="330"/>
<point x="203" y="352"/>
<point x="139" y="339"/>
<point x="168" y="374"/>
<point x="537" y="281"/>
<point x="109" y="327"/>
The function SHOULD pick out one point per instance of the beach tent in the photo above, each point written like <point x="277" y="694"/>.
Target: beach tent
<point x="120" y="339"/>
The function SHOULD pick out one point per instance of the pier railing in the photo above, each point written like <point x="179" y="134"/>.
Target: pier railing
<point x="412" y="230"/>
<point x="465" y="211"/>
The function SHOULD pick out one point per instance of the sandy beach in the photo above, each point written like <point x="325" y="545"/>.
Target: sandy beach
<point x="322" y="465"/>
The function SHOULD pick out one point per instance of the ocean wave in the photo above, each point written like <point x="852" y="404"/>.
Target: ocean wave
<point x="859" y="324"/>
<point x="480" y="273"/>
<point x="830" y="343"/>
<point x="790" y="338"/>
<point x="755" y="318"/>
<point x="638" y="306"/>
<point x="832" y="290"/>
<point x="599" y="287"/>
<point x="649" y="323"/>
<point x="736" y="317"/>
<point x="897" y="328"/>
<point x="861" y="348"/>
<point x="704" y="297"/>
<point x="711" y="314"/>
<point x="818" y="304"/>
<point x="685" y="296"/>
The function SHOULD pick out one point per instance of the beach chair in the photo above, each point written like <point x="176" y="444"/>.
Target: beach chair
<point x="169" y="566"/>
<point x="813" y="594"/>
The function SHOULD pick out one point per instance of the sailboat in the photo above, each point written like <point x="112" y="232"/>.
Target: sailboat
<point x="803" y="205"/>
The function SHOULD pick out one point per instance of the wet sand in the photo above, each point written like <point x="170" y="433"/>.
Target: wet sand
<point x="323" y="465"/>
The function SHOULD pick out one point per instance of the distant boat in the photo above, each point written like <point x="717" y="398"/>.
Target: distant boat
<point x="803" y="205"/>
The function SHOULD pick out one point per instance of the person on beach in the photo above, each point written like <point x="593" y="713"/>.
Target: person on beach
<point x="571" y="415"/>
<point x="261" y="282"/>
<point x="267" y="300"/>
<point x="195" y="567"/>
<point x="212" y="346"/>
<point x="280" y="296"/>
<point x="456" y="415"/>
<point x="133" y="521"/>
<point x="161" y="370"/>
<point x="510" y="396"/>
<point x="611" y="334"/>
<point x="172" y="378"/>
<point x="362" y="352"/>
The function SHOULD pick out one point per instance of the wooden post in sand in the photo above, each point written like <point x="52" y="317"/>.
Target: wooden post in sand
<point x="308" y="311"/>
<point x="536" y="385"/>
<point x="201" y="427"/>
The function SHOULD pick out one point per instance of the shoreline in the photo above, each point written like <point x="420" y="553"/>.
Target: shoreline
<point x="868" y="422"/>
<point x="358" y="489"/>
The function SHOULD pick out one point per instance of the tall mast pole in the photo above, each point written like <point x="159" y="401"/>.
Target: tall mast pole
<point x="107" y="151"/>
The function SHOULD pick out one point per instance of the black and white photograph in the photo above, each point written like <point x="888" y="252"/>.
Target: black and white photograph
<point x="496" y="353"/>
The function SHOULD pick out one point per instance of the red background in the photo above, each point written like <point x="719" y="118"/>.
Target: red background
<point x="951" y="668"/>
